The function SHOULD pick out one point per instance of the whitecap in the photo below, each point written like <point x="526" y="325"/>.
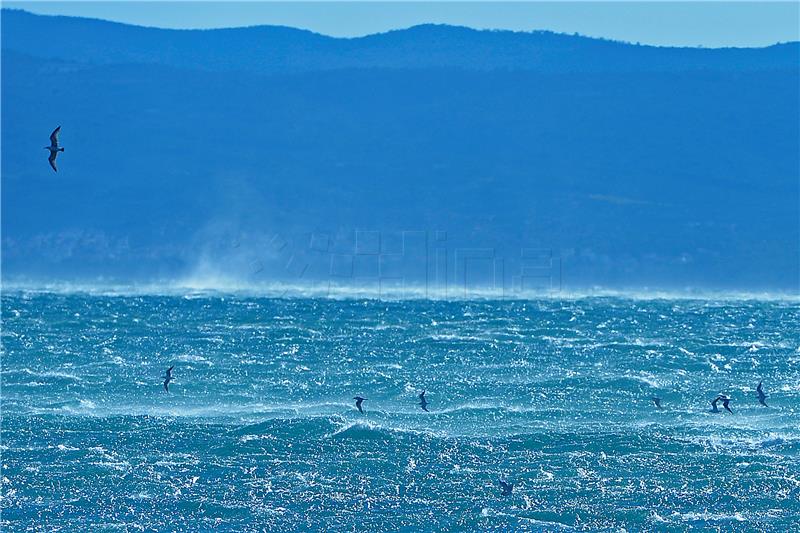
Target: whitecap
<point x="190" y="358"/>
<point x="707" y="516"/>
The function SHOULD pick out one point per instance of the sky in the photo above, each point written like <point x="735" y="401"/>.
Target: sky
<point x="710" y="24"/>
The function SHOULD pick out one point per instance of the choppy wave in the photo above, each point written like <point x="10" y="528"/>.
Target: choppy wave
<point x="259" y="430"/>
<point x="371" y="430"/>
<point x="48" y="375"/>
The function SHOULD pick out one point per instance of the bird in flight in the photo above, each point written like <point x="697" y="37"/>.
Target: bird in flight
<point x="423" y="402"/>
<point x="657" y="401"/>
<point x="761" y="396"/>
<point x="168" y="378"/>
<point x="54" y="148"/>
<point x="507" y="488"/>
<point x="359" y="400"/>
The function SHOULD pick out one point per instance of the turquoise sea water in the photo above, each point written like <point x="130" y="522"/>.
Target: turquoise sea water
<point x="259" y="431"/>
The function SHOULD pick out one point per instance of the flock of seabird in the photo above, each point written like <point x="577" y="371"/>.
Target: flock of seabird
<point x="507" y="487"/>
<point x="423" y="402"/>
<point x="726" y="401"/>
<point x="54" y="149"/>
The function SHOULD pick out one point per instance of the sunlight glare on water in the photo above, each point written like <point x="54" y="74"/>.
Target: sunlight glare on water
<point x="259" y="430"/>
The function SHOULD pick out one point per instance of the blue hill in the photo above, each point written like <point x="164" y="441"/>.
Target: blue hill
<point x="638" y="166"/>
<point x="273" y="49"/>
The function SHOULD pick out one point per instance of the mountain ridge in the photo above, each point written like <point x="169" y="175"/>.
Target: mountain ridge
<point x="285" y="49"/>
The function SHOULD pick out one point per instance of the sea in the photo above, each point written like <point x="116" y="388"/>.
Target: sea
<point x="259" y="431"/>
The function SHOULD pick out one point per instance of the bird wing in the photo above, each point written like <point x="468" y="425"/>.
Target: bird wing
<point x="166" y="386"/>
<point x="52" y="160"/>
<point x="54" y="136"/>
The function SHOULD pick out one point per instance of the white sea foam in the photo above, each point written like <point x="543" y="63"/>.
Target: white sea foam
<point x="217" y="286"/>
<point x="193" y="358"/>
<point x="711" y="517"/>
<point x="648" y="378"/>
<point x="46" y="374"/>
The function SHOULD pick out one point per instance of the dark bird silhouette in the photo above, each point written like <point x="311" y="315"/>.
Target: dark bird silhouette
<point x="714" y="408"/>
<point x="54" y="148"/>
<point x="657" y="401"/>
<point x="359" y="400"/>
<point x="725" y="402"/>
<point x="507" y="488"/>
<point x="761" y="396"/>
<point x="423" y="402"/>
<point x="168" y="378"/>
